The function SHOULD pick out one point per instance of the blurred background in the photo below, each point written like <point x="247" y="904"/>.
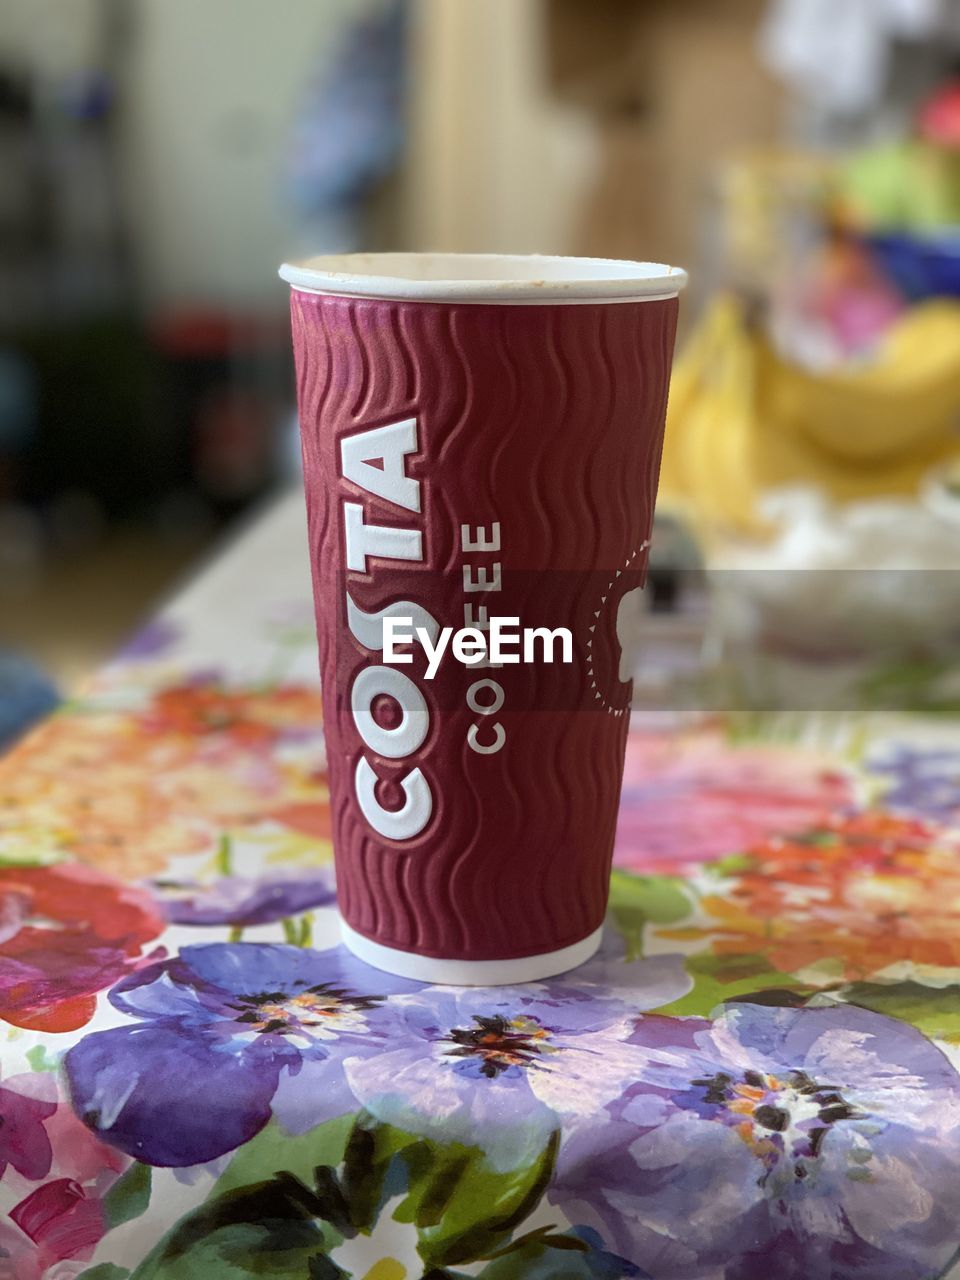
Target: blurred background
<point x="159" y="158"/>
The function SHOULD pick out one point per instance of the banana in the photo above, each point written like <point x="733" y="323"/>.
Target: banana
<point x="708" y="470"/>
<point x="743" y="421"/>
<point x="907" y="398"/>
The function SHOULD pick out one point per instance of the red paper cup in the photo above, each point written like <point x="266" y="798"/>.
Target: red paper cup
<point x="481" y="439"/>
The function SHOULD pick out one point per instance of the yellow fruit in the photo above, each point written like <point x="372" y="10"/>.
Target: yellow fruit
<point x="743" y="421"/>
<point x="907" y="398"/>
<point x="708" y="471"/>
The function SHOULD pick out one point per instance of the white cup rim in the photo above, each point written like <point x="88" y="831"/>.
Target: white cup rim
<point x="484" y="278"/>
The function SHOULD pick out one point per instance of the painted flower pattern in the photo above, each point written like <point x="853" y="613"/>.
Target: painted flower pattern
<point x="502" y="1068"/>
<point x="919" y="780"/>
<point x="776" y="1142"/>
<point x="54" y="1178"/>
<point x="227" y="1035"/>
<point x="206" y="708"/>
<point x="66" y="933"/>
<point x="85" y="794"/>
<point x="131" y="789"/>
<point x="691" y="797"/>
<point x="240" y="901"/>
<point x="24" y="1143"/>
<point x="753" y="1078"/>
<point x="156" y="638"/>
<point x="846" y="899"/>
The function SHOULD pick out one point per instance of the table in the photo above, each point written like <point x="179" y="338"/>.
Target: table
<point x="757" y="1077"/>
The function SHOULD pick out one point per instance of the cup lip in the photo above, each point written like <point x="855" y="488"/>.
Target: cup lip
<point x="497" y="278"/>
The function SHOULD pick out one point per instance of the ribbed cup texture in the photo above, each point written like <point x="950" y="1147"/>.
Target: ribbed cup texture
<point x="548" y="420"/>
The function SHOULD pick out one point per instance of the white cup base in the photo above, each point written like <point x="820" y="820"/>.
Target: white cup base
<point x="469" y="973"/>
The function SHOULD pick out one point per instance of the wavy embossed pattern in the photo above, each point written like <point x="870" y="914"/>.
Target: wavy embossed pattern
<point x="548" y="420"/>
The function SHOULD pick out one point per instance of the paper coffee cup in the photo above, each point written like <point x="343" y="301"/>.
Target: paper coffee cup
<point x="481" y="439"/>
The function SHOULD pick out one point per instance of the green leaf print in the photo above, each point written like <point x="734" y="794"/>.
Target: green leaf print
<point x="636" y="901"/>
<point x="933" y="1010"/>
<point x="288" y="1207"/>
<point x="720" y="978"/>
<point x="129" y="1197"/>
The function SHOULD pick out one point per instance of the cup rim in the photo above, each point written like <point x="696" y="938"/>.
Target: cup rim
<point x="484" y="277"/>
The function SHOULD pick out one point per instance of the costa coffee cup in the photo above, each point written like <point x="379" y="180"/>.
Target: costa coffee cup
<point x="481" y="440"/>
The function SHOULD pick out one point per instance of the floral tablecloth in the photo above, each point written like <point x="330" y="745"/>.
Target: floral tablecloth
<point x="755" y="1080"/>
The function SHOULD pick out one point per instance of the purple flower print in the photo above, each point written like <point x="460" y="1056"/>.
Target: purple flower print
<point x="926" y="782"/>
<point x="228" y="1035"/>
<point x="151" y="640"/>
<point x="244" y="901"/>
<point x="645" y="983"/>
<point x="775" y="1142"/>
<point x="502" y="1068"/>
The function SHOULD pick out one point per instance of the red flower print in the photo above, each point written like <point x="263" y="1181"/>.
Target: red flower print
<point x="66" y="932"/>
<point x="52" y="1214"/>
<point x="855" y="893"/>
<point x="207" y="708"/>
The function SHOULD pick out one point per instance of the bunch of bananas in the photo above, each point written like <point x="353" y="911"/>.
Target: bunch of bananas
<point x="743" y="421"/>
